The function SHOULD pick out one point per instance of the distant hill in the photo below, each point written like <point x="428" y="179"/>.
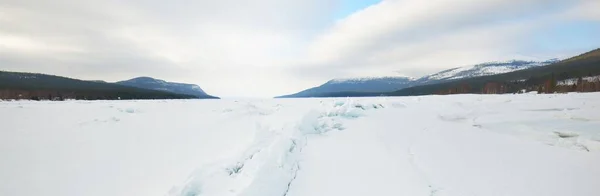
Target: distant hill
<point x="361" y="85"/>
<point x="161" y="85"/>
<point x="16" y="85"/>
<point x="536" y="78"/>
<point x="377" y="85"/>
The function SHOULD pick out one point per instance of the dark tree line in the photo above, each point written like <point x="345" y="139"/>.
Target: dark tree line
<point x="550" y="85"/>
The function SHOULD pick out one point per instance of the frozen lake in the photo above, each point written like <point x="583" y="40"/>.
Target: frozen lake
<point x="517" y="145"/>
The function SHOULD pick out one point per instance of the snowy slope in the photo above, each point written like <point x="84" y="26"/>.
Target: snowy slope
<point x="161" y="85"/>
<point x="434" y="145"/>
<point x="485" y="69"/>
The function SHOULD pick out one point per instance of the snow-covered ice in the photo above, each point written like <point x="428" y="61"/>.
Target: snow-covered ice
<point x="459" y="145"/>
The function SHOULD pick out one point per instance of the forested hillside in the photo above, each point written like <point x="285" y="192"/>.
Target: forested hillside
<point x="544" y="79"/>
<point x="369" y="86"/>
<point x="172" y="87"/>
<point x="15" y="85"/>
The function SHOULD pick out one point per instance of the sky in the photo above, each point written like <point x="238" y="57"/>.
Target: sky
<point x="266" y="48"/>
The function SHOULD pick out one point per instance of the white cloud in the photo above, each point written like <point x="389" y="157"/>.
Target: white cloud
<point x="416" y="37"/>
<point x="587" y="9"/>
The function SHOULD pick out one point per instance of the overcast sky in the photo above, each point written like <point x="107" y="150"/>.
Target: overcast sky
<point x="264" y="48"/>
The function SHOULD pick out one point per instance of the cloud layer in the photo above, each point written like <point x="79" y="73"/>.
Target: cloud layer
<point x="271" y="47"/>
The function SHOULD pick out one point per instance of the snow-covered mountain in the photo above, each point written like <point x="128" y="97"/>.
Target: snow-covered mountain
<point x="484" y="69"/>
<point x="394" y="83"/>
<point x="367" y="84"/>
<point x="161" y="85"/>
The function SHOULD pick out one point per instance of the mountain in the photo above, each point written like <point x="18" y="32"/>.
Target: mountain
<point x="161" y="85"/>
<point x="358" y="85"/>
<point x="532" y="79"/>
<point x="17" y="85"/>
<point x="375" y="85"/>
<point x="484" y="69"/>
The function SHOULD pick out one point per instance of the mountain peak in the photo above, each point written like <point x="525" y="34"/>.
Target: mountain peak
<point x="162" y="85"/>
<point x="145" y="79"/>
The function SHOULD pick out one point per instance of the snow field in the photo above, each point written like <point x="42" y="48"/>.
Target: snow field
<point x="432" y="145"/>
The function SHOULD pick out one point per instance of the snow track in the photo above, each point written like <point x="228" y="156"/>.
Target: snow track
<point x="272" y="162"/>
